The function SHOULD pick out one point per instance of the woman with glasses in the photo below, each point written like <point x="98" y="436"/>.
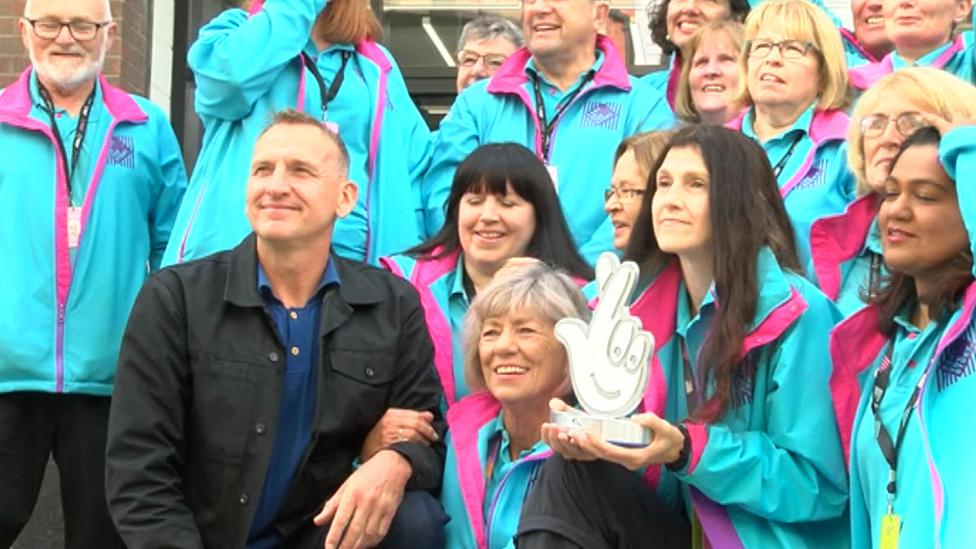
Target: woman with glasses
<point x="925" y="33"/>
<point x="846" y="248"/>
<point x="632" y="163"/>
<point x="795" y="90"/>
<point x="744" y="443"/>
<point x="485" y="43"/>
<point x="502" y="205"/>
<point x="710" y="79"/>
<point x="911" y="351"/>
<point x="319" y="56"/>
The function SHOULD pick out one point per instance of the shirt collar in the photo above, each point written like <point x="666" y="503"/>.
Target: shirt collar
<point x="38" y="101"/>
<point x="684" y="319"/>
<point x="496" y="428"/>
<point x="531" y="70"/>
<point x="873" y="241"/>
<point x="329" y="277"/>
<point x="801" y="124"/>
<point x="313" y="52"/>
<point x="899" y="62"/>
<point x="457" y="285"/>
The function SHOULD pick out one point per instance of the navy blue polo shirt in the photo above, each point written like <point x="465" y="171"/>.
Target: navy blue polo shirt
<point x="297" y="330"/>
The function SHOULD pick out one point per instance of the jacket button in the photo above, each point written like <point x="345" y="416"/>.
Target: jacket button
<point x="243" y="499"/>
<point x="259" y="428"/>
<point x="273" y="356"/>
<point x="369" y="372"/>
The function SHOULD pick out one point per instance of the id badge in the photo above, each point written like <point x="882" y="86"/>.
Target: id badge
<point x="74" y="226"/>
<point x="554" y="175"/>
<point x="890" y="530"/>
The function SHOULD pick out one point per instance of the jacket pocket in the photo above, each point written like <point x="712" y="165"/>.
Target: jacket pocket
<point x="223" y="403"/>
<point x="358" y="387"/>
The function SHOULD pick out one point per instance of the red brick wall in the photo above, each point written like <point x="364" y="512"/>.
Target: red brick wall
<point x="127" y="63"/>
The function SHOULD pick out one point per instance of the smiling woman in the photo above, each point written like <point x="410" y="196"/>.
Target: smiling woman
<point x="710" y="79"/>
<point x="730" y="444"/>
<point x="502" y="204"/>
<point x="515" y="364"/>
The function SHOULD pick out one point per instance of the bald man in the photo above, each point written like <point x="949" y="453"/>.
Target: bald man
<point x="90" y="183"/>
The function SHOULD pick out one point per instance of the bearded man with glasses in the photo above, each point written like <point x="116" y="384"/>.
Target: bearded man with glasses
<point x="90" y="184"/>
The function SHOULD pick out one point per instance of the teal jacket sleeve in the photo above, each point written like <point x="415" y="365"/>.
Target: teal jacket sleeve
<point x="793" y="469"/>
<point x="237" y="58"/>
<point x="170" y="186"/>
<point x="457" y="137"/>
<point x="958" y="154"/>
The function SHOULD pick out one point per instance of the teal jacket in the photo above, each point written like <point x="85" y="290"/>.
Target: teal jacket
<point x="934" y="478"/>
<point x="483" y="514"/>
<point x="442" y="297"/>
<point x="958" y="57"/>
<point x="815" y="180"/>
<point x="65" y="310"/>
<point x="598" y="119"/>
<point x="842" y="250"/>
<point x="247" y="68"/>
<point x="770" y="473"/>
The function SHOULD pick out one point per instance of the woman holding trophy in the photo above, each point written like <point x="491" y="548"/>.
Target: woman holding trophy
<point x="743" y="438"/>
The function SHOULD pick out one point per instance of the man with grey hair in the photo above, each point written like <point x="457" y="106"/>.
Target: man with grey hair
<point x="249" y="379"/>
<point x="485" y="43"/>
<point x="90" y="183"/>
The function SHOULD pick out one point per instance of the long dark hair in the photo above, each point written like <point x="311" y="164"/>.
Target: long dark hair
<point x="491" y="168"/>
<point x="746" y="214"/>
<point x="897" y="290"/>
<point x="658" y="22"/>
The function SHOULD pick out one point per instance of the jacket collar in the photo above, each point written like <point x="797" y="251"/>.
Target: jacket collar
<point x="838" y="238"/>
<point x="827" y="125"/>
<point x="241" y="287"/>
<point x="16" y="100"/>
<point x="512" y="76"/>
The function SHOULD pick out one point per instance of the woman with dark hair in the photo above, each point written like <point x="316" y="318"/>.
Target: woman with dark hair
<point x="673" y="23"/>
<point x="744" y="440"/>
<point x="320" y="57"/>
<point x="911" y="352"/>
<point x="502" y="204"/>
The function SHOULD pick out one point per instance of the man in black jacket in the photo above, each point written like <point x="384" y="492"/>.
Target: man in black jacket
<point x="248" y="381"/>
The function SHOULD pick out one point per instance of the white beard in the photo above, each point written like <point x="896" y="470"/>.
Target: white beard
<point x="66" y="75"/>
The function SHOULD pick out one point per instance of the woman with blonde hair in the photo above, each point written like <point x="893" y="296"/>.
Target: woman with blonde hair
<point x="710" y="78"/>
<point x="795" y="89"/>
<point x="319" y="56"/>
<point x="846" y="248"/>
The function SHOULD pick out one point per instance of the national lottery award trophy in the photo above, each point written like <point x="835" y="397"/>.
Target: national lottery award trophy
<point x="608" y="360"/>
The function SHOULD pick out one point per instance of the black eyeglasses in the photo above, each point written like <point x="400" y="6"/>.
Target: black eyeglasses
<point x="788" y="49"/>
<point x="623" y="194"/>
<point x="80" y="30"/>
<point x="906" y="123"/>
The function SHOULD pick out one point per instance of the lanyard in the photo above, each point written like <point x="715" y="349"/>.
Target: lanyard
<point x="890" y="448"/>
<point x="875" y="273"/>
<point x="692" y="394"/>
<point x="540" y="110"/>
<point x="778" y="168"/>
<point x="327" y="95"/>
<point x="80" y="131"/>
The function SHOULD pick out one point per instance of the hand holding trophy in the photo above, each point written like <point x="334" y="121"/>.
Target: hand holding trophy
<point x="607" y="360"/>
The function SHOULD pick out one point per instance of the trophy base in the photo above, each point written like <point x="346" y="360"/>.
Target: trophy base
<point x="621" y="432"/>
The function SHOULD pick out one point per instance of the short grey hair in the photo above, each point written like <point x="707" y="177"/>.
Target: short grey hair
<point x="527" y="285"/>
<point x="487" y="27"/>
<point x="294" y="117"/>
<point x="108" y="9"/>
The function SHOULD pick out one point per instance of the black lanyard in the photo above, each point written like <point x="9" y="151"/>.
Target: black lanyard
<point x="874" y="275"/>
<point x="327" y="95"/>
<point x="540" y="110"/>
<point x="890" y="448"/>
<point x="80" y="130"/>
<point x="692" y="394"/>
<point x="778" y="168"/>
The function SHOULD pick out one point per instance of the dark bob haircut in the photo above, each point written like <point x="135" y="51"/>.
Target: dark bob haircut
<point x="658" y="24"/>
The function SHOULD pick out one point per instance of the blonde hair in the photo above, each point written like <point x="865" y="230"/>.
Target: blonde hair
<point x="933" y="91"/>
<point x="730" y="30"/>
<point x="647" y="147"/>
<point x="801" y="20"/>
<point x="520" y="285"/>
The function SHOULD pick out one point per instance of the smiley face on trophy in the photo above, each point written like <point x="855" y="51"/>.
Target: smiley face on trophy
<point x="608" y="360"/>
